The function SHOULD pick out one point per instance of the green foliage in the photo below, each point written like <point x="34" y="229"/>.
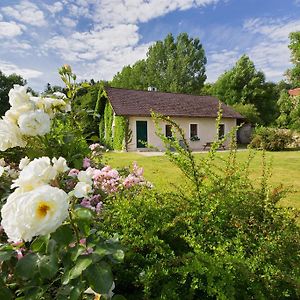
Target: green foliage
<point x="108" y="121"/>
<point x="7" y="83"/>
<point x="289" y="111"/>
<point x="243" y="84"/>
<point x="119" y="133"/>
<point x="249" y="111"/>
<point x="171" y="66"/>
<point x="220" y="237"/>
<point x="271" y="139"/>
<point x="294" y="72"/>
<point x="85" y="104"/>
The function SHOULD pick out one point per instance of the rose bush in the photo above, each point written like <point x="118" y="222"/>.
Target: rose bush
<point x="50" y="244"/>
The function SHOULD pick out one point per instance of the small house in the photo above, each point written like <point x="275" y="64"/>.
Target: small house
<point x="128" y="112"/>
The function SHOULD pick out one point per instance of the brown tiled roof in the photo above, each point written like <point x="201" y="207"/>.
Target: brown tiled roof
<point x="141" y="103"/>
<point x="294" y="92"/>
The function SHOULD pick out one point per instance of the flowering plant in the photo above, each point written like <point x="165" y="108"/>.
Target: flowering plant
<point x="50" y="242"/>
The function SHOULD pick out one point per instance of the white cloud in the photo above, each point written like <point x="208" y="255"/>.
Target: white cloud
<point x="111" y="12"/>
<point x="9" y="68"/>
<point x="91" y="45"/>
<point x="55" y="7"/>
<point x="26" y="12"/>
<point x="271" y="54"/>
<point x="274" y="29"/>
<point x="9" y="29"/>
<point x="68" y="22"/>
<point x="1" y="17"/>
<point x="219" y="62"/>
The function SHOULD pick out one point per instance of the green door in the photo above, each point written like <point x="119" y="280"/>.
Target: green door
<point x="141" y="134"/>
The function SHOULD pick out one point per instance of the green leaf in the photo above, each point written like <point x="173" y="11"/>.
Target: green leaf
<point x="110" y="249"/>
<point x="5" y="293"/>
<point x="83" y="214"/>
<point x="6" y="255"/>
<point x="40" y="244"/>
<point x="48" y="266"/>
<point x="63" y="235"/>
<point x="27" y="266"/>
<point x="99" y="277"/>
<point x="81" y="264"/>
<point x="85" y="85"/>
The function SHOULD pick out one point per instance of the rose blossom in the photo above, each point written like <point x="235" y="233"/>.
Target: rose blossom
<point x="10" y="135"/>
<point x="60" y="165"/>
<point x="37" y="172"/>
<point x="82" y="189"/>
<point x="24" y="162"/>
<point x="18" y="96"/>
<point x="38" y="212"/>
<point x="34" y="123"/>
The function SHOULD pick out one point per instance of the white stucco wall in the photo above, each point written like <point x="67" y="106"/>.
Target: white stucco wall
<point x="206" y="130"/>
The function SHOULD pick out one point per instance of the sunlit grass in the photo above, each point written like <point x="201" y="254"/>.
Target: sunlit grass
<point x="166" y="176"/>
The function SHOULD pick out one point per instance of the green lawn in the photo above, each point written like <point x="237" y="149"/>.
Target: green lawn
<point x="164" y="175"/>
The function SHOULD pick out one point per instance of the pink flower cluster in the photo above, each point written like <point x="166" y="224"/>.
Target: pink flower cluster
<point x="93" y="203"/>
<point x="93" y="185"/>
<point x="96" y="149"/>
<point x="135" y="178"/>
<point x="107" y="179"/>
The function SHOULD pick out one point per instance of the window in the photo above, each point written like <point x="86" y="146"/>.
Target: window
<point x="221" y="131"/>
<point x="169" y="131"/>
<point x="193" y="131"/>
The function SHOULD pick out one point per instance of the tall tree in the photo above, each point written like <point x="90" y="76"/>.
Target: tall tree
<point x="243" y="84"/>
<point x="171" y="66"/>
<point x="6" y="83"/>
<point x="294" y="73"/>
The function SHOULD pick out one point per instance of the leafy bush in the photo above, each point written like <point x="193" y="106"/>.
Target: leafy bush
<point x="221" y="237"/>
<point x="271" y="139"/>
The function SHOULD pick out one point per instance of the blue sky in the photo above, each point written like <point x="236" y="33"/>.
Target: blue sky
<point x="98" y="37"/>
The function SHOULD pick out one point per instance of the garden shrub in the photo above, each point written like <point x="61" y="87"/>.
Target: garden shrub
<point x="221" y="237"/>
<point x="271" y="139"/>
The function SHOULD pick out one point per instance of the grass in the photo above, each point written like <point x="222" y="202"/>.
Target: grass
<point x="166" y="176"/>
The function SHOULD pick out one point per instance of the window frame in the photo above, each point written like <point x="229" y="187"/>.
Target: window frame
<point x="190" y="130"/>
<point x="223" y="135"/>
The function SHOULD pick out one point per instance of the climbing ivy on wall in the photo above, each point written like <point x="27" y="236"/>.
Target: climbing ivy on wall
<point x="119" y="133"/>
<point x="108" y="122"/>
<point x="114" y="131"/>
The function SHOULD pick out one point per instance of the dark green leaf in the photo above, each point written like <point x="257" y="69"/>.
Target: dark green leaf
<point x="5" y="293"/>
<point x="63" y="235"/>
<point x="81" y="264"/>
<point x="48" y="266"/>
<point x="27" y="266"/>
<point x="99" y="277"/>
<point x="6" y="255"/>
<point x="40" y="244"/>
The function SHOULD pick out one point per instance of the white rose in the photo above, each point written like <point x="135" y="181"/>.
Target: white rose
<point x="1" y="171"/>
<point x="82" y="190"/>
<point x="38" y="212"/>
<point x="18" y="96"/>
<point x="85" y="176"/>
<point x="38" y="172"/>
<point x="34" y="123"/>
<point x="60" y="165"/>
<point x="10" y="136"/>
<point x="24" y="162"/>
